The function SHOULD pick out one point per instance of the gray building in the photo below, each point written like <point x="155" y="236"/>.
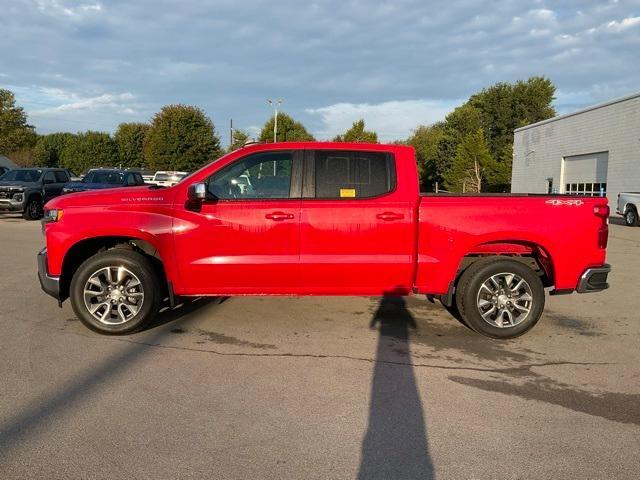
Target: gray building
<point x="592" y="151"/>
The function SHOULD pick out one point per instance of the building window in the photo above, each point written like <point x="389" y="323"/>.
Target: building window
<point x="586" y="189"/>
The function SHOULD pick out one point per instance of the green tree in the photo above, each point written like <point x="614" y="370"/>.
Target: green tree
<point x="428" y="142"/>
<point x="240" y="137"/>
<point x="49" y="147"/>
<point x="471" y="165"/>
<point x="89" y="149"/>
<point x="129" y="138"/>
<point x="505" y="107"/>
<point x="15" y="133"/>
<point x="288" y="130"/>
<point x="357" y="133"/>
<point x="181" y="137"/>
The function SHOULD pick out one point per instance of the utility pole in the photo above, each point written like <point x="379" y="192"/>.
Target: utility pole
<point x="275" y="104"/>
<point x="230" y="132"/>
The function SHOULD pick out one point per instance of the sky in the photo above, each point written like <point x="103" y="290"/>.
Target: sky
<point x="92" y="64"/>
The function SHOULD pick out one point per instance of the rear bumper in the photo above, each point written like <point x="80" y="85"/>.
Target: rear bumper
<point x="49" y="284"/>
<point x="594" y="279"/>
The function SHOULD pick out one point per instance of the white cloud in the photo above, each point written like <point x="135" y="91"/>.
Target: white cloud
<point x="543" y="14"/>
<point x="623" y="24"/>
<point x="391" y="120"/>
<point x="70" y="102"/>
<point x="57" y="7"/>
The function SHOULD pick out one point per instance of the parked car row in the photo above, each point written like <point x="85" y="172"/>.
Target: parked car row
<point x="26" y="190"/>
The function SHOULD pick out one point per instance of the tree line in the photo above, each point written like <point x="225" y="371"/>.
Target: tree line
<point x="470" y="150"/>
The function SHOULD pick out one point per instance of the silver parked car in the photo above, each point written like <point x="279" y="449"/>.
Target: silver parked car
<point x="627" y="206"/>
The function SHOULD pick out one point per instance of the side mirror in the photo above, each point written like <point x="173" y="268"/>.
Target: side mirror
<point x="197" y="192"/>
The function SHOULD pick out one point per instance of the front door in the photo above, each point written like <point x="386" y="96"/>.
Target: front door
<point x="356" y="229"/>
<point x="245" y="238"/>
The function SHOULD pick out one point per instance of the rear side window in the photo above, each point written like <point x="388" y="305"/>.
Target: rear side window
<point x="131" y="180"/>
<point x="61" y="177"/>
<point x="347" y="175"/>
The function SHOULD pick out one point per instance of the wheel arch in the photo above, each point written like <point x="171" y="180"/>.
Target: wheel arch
<point x="87" y="247"/>
<point x="528" y="252"/>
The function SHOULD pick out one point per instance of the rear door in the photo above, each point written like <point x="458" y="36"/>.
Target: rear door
<point x="245" y="238"/>
<point x="356" y="225"/>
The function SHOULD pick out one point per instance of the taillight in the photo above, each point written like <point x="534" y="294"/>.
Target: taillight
<point x="602" y="211"/>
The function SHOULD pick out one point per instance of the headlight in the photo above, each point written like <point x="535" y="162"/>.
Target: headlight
<point x="53" y="215"/>
<point x="18" y="197"/>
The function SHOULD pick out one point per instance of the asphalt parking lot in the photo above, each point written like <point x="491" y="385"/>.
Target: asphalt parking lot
<point x="325" y="388"/>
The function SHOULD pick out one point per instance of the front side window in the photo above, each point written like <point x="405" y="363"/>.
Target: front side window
<point x="49" y="178"/>
<point x="263" y="175"/>
<point x="61" y="177"/>
<point x="352" y="174"/>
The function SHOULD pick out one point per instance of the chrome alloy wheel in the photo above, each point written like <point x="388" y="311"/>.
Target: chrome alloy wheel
<point x="504" y="300"/>
<point x="113" y="295"/>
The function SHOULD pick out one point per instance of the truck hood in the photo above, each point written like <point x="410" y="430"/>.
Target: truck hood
<point x="144" y="195"/>
<point x="15" y="183"/>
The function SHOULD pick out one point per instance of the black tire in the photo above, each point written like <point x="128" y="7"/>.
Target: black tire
<point x="33" y="210"/>
<point x="631" y="217"/>
<point x="468" y="294"/>
<point x="137" y="264"/>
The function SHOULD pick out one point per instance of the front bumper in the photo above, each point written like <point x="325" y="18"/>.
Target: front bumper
<point x="49" y="284"/>
<point x="9" y="205"/>
<point x="594" y="279"/>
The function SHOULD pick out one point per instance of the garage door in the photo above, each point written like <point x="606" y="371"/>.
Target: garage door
<point x="586" y="174"/>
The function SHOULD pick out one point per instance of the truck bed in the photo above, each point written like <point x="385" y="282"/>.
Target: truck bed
<point x="566" y="232"/>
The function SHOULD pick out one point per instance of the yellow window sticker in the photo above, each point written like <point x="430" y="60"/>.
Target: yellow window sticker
<point x="347" y="192"/>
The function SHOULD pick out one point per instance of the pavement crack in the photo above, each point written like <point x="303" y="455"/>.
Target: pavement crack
<point x="510" y="370"/>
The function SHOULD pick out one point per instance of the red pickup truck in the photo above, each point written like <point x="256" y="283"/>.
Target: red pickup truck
<point x="319" y="219"/>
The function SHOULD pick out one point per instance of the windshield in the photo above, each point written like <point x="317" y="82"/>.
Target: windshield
<point x="31" y="175"/>
<point x="173" y="177"/>
<point x="104" y="176"/>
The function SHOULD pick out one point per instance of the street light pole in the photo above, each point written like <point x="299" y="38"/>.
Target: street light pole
<point x="275" y="105"/>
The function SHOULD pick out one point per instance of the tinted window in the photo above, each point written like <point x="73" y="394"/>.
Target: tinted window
<point x="23" y="175"/>
<point x="61" y="177"/>
<point x="139" y="179"/>
<point x="49" y="178"/>
<point x="264" y="175"/>
<point x="352" y="174"/>
<point x="104" y="176"/>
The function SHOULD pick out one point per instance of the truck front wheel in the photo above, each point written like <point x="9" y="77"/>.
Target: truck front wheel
<point x="500" y="298"/>
<point x="33" y="209"/>
<point x="115" y="292"/>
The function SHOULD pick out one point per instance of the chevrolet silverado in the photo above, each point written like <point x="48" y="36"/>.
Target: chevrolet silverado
<point x="320" y="218"/>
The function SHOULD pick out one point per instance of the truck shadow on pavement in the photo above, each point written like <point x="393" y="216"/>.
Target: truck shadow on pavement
<point x="395" y="444"/>
<point x="42" y="411"/>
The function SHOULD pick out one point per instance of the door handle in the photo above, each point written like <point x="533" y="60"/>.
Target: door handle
<point x="389" y="216"/>
<point x="279" y="216"/>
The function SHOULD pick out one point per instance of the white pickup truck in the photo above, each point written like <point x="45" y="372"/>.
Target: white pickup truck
<point x="627" y="206"/>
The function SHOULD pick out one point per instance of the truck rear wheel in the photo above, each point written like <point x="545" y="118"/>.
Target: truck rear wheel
<point x="631" y="217"/>
<point x="500" y="298"/>
<point x="115" y="292"/>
